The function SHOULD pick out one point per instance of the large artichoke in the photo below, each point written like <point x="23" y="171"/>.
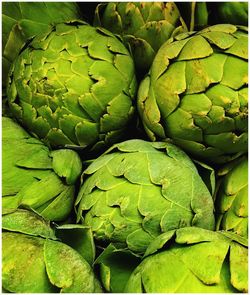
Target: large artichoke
<point x="192" y="260"/>
<point x="197" y="93"/>
<point x="138" y="189"/>
<point x="144" y="26"/>
<point x="23" y="20"/>
<point x="35" y="261"/>
<point x="232" y="198"/>
<point x="74" y="85"/>
<point x="36" y="177"/>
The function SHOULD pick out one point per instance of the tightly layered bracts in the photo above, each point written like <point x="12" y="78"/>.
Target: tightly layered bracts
<point x="33" y="176"/>
<point x="74" y="86"/>
<point x="139" y="189"/>
<point x="144" y="26"/>
<point x="197" y="92"/>
<point x="193" y="260"/>
<point x="21" y="21"/>
<point x="232" y="198"/>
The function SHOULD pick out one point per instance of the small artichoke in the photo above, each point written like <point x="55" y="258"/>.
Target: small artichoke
<point x="197" y="93"/>
<point x="35" y="261"/>
<point x="232" y="198"/>
<point x="192" y="260"/>
<point x="144" y="26"/>
<point x="138" y="189"/>
<point x="74" y="85"/>
<point x="36" y="177"/>
<point x="23" y="20"/>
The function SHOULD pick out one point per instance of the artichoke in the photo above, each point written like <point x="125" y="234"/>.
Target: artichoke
<point x="35" y="261"/>
<point x="235" y="12"/>
<point x="232" y="198"/>
<point x="197" y="93"/>
<point x="23" y="20"/>
<point x="137" y="189"/>
<point x="35" y="177"/>
<point x="144" y="26"/>
<point x="192" y="260"/>
<point x="74" y="86"/>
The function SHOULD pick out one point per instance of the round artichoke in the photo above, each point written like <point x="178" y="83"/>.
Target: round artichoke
<point x="197" y="93"/>
<point x="232" y="198"/>
<point x="23" y="20"/>
<point x="74" y="85"/>
<point x="34" y="176"/>
<point x="35" y="261"/>
<point x="138" y="189"/>
<point x="144" y="26"/>
<point x="192" y="260"/>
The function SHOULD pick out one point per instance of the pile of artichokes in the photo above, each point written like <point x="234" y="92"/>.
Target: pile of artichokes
<point x="124" y="147"/>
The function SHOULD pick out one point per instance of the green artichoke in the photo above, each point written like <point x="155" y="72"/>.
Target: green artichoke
<point x="138" y="189"/>
<point x="235" y="12"/>
<point x="144" y="26"/>
<point x="232" y="198"/>
<point x="35" y="261"/>
<point x="192" y="260"/>
<point x="197" y="93"/>
<point x="23" y="20"/>
<point x="36" y="177"/>
<point x="74" y="85"/>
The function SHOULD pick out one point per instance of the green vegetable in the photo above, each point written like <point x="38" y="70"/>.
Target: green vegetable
<point x="138" y="189"/>
<point x="34" y="261"/>
<point x="34" y="176"/>
<point x="144" y="26"/>
<point x="235" y="12"/>
<point x="74" y="86"/>
<point x="115" y="267"/>
<point x="21" y="21"/>
<point x="192" y="260"/>
<point x="197" y="93"/>
<point x="232" y="198"/>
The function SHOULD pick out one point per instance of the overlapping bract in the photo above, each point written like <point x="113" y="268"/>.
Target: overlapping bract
<point x="74" y="85"/>
<point x="23" y="20"/>
<point x="36" y="177"/>
<point x="192" y="260"/>
<point x="197" y="93"/>
<point x="145" y="26"/>
<point x="35" y="261"/>
<point x="139" y="189"/>
<point x="232" y="199"/>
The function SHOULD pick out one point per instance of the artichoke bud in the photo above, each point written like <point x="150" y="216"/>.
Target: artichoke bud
<point x="144" y="26"/>
<point x="35" y="177"/>
<point x="35" y="261"/>
<point x="74" y="86"/>
<point x="212" y="261"/>
<point x="197" y="93"/>
<point x="138" y="189"/>
<point x="232" y="198"/>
